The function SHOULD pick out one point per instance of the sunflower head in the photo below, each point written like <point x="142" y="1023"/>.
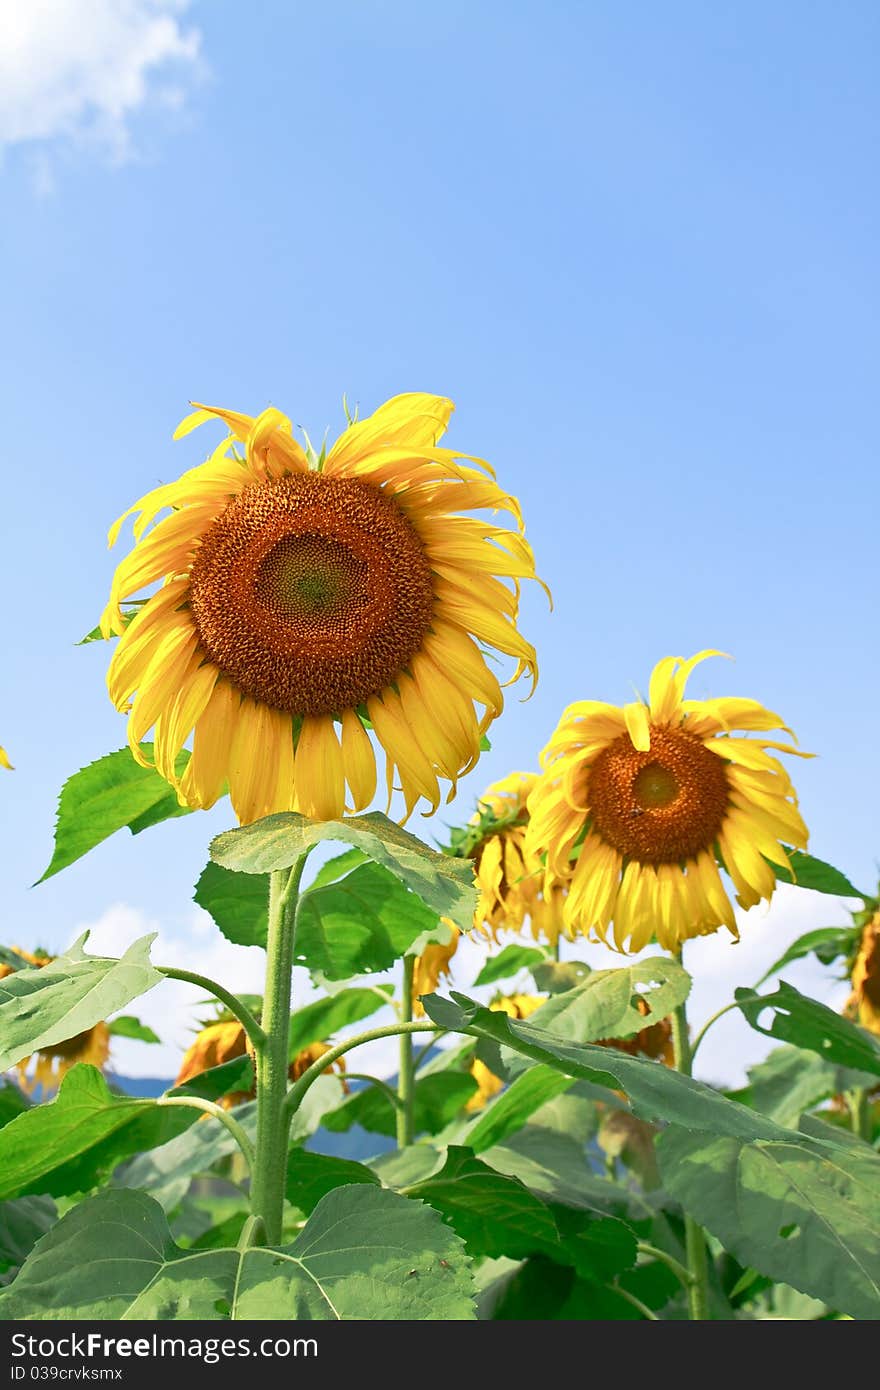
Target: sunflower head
<point x="512" y="883"/>
<point x="517" y="1005"/>
<point x="221" y="1042"/>
<point x="863" y="1004"/>
<point x="432" y="966"/>
<point x="310" y="611"/>
<point x="51" y="1064"/>
<point x="637" y="807"/>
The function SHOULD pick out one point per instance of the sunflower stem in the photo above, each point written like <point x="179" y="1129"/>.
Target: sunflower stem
<point x="308" y="1078"/>
<point x="859" y="1112"/>
<point x="273" y="1116"/>
<point x="406" y="1070"/>
<point x="209" y="1107"/>
<point x="232" y="1002"/>
<point x="695" y="1239"/>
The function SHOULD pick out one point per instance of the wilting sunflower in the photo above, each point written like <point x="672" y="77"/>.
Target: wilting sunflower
<point x="304" y="602"/>
<point x="863" y="1004"/>
<point x="4" y="760"/>
<point x="52" y="1063"/>
<point x="432" y="966"/>
<point x="511" y="880"/>
<point x="637" y="806"/>
<point x="226" y="1040"/>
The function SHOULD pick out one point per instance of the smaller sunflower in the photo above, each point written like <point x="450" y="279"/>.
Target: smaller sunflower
<point x="226" y="1040"/>
<point x="52" y="1063"/>
<point x="637" y="807"/>
<point x="863" y="1005"/>
<point x="513" y="885"/>
<point x="432" y="966"/>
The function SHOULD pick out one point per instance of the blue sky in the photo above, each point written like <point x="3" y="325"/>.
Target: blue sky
<point x="637" y="246"/>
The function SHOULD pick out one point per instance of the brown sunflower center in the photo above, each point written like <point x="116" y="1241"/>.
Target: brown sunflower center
<point x="661" y="806"/>
<point x="311" y="593"/>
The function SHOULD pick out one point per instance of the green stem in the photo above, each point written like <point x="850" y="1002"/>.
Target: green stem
<point x="406" y="1068"/>
<point x="308" y="1078"/>
<point x="387" y="1091"/>
<point x="643" y="1308"/>
<point x="644" y="1247"/>
<point x="859" y="1112"/>
<point x="233" y="1004"/>
<point x="708" y="1024"/>
<point x="695" y="1239"/>
<point x="208" y="1107"/>
<point x="273" y="1118"/>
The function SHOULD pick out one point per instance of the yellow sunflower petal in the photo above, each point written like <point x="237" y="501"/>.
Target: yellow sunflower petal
<point x="320" y="773"/>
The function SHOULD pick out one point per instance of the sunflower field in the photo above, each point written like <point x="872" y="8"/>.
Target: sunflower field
<point x="319" y="640"/>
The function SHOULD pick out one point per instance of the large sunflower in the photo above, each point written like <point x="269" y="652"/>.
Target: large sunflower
<point x="304" y="602"/>
<point x="637" y="807"/>
<point x="510" y="878"/>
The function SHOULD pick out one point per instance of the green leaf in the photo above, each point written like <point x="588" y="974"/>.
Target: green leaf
<point x="804" y="1213"/>
<point x="827" y="943"/>
<point x="111" y="793"/>
<point x="509" y="962"/>
<point x="493" y="1214"/>
<point x="311" y="1176"/>
<point x="542" y="1291"/>
<point x="22" y="1223"/>
<point x="361" y="924"/>
<point x="656" y="1092"/>
<point x="319" y="1021"/>
<point x="14" y="959"/>
<point x="364" y="1253"/>
<point x="235" y="1075"/>
<point x="807" y="1023"/>
<point x="48" y="1004"/>
<point x="437" y="1099"/>
<point x="790" y="1081"/>
<point x="815" y="874"/>
<point x="605" y="1004"/>
<point x="557" y="976"/>
<point x="65" y="1146"/>
<point x="12" y="1102"/>
<point x="445" y="884"/>
<point x="337" y="867"/>
<point x="127" y="1026"/>
<point x="508" y="1111"/>
<point x="238" y="903"/>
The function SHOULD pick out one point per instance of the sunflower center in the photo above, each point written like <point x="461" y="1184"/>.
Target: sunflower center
<point x="662" y="806"/>
<point x="311" y="593"/>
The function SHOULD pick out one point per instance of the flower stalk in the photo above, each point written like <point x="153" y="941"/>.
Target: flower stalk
<point x="695" y="1239"/>
<point x="406" y="1068"/>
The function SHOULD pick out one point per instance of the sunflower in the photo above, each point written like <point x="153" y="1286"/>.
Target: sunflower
<point x="52" y="1063"/>
<point x="637" y="807"/>
<point x="226" y="1040"/>
<point x="511" y="881"/>
<point x="4" y="760"/>
<point x="431" y="966"/>
<point x="308" y="603"/>
<point x="863" y="1004"/>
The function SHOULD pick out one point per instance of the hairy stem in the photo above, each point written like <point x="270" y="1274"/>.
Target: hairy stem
<point x="208" y="1107"/>
<point x="308" y="1078"/>
<point x="695" y="1239"/>
<point x="273" y="1117"/>
<point x="406" y="1067"/>
<point x="225" y="996"/>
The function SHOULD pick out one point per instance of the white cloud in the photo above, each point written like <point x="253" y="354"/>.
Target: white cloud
<point x="77" y="71"/>
<point x="717" y="965"/>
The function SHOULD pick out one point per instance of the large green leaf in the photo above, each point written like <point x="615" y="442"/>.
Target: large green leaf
<point x="311" y="1176"/>
<point x="238" y="903"/>
<point x="805" y="1213"/>
<point x="506" y="1112"/>
<point x="815" y="874"/>
<point x="364" y="1253"/>
<point x="52" y="1003"/>
<point x="232" y="1076"/>
<point x="445" y="884"/>
<point x="826" y="943"/>
<point x="22" y="1223"/>
<point x="807" y="1023"/>
<point x="557" y="976"/>
<point x="66" y="1146"/>
<point x="104" y="797"/>
<point x="436" y="1100"/>
<point x="362" y="923"/>
<point x="790" y="1081"/>
<point x="319" y="1021"/>
<point x="656" y="1092"/>
<point x="493" y="1214"/>
<point x="606" y="1003"/>
<point x="509" y="962"/>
